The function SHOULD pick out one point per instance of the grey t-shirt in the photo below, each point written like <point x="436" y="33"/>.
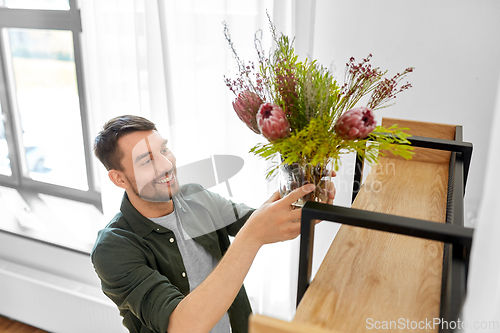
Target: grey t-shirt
<point x="197" y="261"/>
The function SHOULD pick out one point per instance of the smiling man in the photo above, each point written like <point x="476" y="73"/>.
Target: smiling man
<point x="149" y="171"/>
<point x="165" y="259"/>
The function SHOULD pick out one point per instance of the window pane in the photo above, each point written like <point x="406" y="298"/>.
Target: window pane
<point x="4" y="149"/>
<point x="38" y="4"/>
<point x="47" y="97"/>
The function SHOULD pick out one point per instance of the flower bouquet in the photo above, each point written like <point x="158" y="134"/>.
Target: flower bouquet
<point x="308" y="118"/>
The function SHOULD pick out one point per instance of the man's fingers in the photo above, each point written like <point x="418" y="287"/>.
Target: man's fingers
<point x="274" y="197"/>
<point x="297" y="194"/>
<point x="330" y="189"/>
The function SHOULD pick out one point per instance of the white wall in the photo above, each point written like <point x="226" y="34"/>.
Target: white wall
<point x="454" y="47"/>
<point x="482" y="304"/>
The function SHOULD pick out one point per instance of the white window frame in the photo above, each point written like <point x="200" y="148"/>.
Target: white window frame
<point x="67" y="20"/>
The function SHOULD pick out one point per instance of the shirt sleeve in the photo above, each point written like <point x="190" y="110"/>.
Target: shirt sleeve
<point x="131" y="284"/>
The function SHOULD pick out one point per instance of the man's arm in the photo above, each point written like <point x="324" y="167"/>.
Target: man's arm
<point x="273" y="222"/>
<point x="140" y="292"/>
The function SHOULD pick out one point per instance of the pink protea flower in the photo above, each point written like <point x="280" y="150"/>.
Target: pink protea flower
<point x="356" y="123"/>
<point x="272" y="122"/>
<point x="246" y="106"/>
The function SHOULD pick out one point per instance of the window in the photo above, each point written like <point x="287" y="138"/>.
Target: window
<point x="44" y="136"/>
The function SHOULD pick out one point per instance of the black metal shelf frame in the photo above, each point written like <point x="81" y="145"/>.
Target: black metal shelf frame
<point x="457" y="238"/>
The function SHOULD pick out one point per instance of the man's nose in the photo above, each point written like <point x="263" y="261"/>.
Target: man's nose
<point x="163" y="164"/>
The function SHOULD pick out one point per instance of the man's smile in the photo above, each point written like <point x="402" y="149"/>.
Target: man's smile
<point x="169" y="179"/>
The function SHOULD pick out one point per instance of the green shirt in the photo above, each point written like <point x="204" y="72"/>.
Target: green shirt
<point x="141" y="268"/>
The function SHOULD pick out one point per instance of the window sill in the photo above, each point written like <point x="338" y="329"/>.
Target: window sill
<point x="60" y="222"/>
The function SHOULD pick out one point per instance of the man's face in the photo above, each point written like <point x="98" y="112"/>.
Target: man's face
<point x="149" y="166"/>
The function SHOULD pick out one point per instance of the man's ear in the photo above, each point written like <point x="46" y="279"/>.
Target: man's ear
<point x="118" y="178"/>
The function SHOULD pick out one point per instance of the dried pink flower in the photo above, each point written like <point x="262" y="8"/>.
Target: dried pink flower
<point x="247" y="105"/>
<point x="356" y="123"/>
<point x="272" y="122"/>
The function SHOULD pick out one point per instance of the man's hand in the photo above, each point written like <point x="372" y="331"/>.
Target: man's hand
<point x="329" y="191"/>
<point x="276" y="220"/>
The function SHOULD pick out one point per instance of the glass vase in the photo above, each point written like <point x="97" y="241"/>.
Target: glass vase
<point x="293" y="176"/>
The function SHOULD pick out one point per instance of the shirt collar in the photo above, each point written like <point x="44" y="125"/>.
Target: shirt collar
<point x="180" y="203"/>
<point x="140" y="224"/>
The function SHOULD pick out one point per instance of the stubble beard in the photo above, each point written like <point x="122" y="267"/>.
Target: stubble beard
<point x="150" y="193"/>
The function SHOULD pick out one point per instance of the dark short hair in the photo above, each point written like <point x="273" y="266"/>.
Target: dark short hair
<point x="106" y="142"/>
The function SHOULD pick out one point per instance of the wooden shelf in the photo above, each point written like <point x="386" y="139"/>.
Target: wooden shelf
<point x="369" y="275"/>
<point x="264" y="324"/>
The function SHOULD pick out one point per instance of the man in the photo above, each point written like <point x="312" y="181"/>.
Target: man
<point x="165" y="259"/>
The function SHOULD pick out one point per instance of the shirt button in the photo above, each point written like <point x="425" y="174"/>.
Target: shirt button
<point x="158" y="229"/>
<point x="183" y="274"/>
<point x="171" y="240"/>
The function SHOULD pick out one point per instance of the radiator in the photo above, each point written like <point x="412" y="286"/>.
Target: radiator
<point x="54" y="303"/>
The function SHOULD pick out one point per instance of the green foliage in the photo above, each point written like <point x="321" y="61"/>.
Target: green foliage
<point x="317" y="143"/>
<point x="313" y="101"/>
<point x="304" y="90"/>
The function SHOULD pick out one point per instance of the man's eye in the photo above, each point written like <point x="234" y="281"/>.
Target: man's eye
<point x="146" y="161"/>
<point x="164" y="150"/>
